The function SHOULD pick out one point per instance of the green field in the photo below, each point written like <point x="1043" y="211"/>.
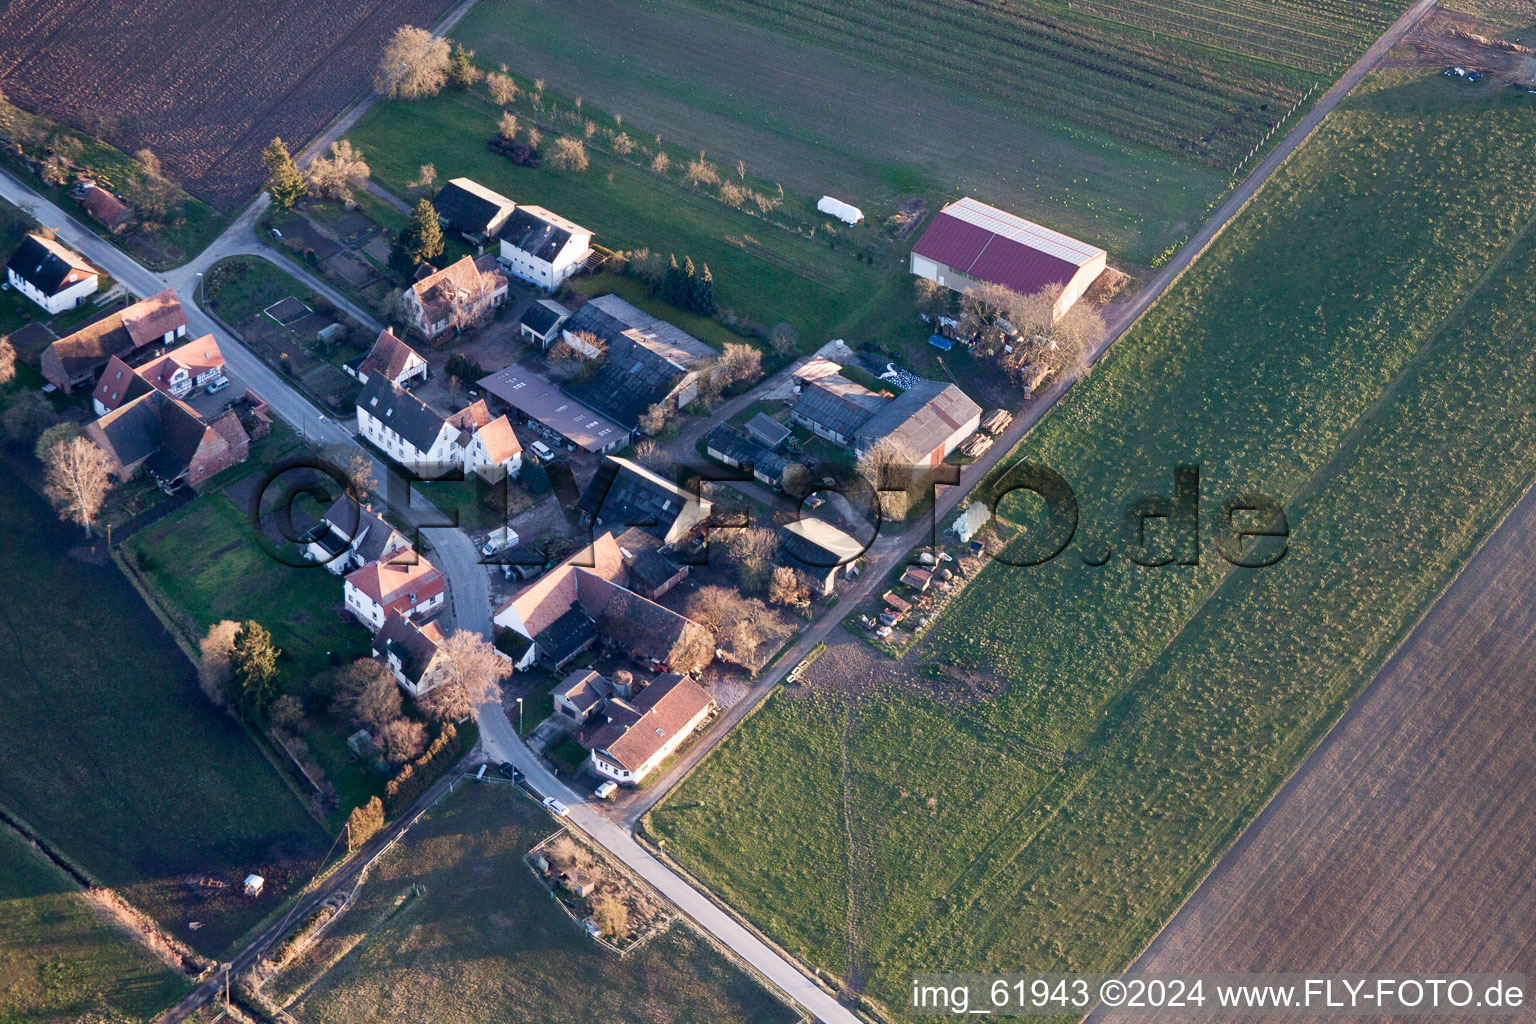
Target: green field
<point x="481" y="940"/>
<point x="761" y="272"/>
<point x="820" y="120"/>
<point x="1202" y="81"/>
<point x="1362" y="356"/>
<point x="117" y="759"/>
<point x="60" y="959"/>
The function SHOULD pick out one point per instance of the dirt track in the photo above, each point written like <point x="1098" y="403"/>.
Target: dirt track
<point x="1404" y="842"/>
<point x="204" y="84"/>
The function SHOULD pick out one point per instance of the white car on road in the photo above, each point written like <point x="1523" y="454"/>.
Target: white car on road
<point x="554" y="807"/>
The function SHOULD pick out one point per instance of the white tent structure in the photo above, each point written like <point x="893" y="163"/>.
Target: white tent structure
<point x="841" y="210"/>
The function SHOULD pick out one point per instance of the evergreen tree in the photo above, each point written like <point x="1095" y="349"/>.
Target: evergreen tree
<point x="285" y="182"/>
<point x="704" y="294"/>
<point x="461" y="73"/>
<point x="420" y="242"/>
<point x="674" y="286"/>
<point x="253" y="662"/>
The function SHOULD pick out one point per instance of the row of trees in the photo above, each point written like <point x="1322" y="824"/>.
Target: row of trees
<point x="416" y="64"/>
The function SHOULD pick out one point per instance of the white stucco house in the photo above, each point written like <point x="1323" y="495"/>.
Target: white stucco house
<point x="543" y="248"/>
<point x="50" y="274"/>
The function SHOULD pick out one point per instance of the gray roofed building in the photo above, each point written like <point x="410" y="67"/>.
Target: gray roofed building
<point x="537" y="232"/>
<point x="581" y="694"/>
<point x="570" y="634"/>
<point x="731" y="448"/>
<point x="923" y="424"/>
<point x="471" y="209"/>
<point x="401" y="412"/>
<point x="767" y="431"/>
<point x="835" y="407"/>
<point x="648" y="361"/>
<point x="544" y="403"/>
<point x="651" y="573"/>
<point x="541" y="322"/>
<point x="623" y="494"/>
<point x="410" y="652"/>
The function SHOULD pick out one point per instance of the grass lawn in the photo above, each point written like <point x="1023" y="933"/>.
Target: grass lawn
<point x="1358" y="354"/>
<point x="126" y="767"/>
<point x="820" y="120"/>
<point x="763" y="273"/>
<point x="481" y="939"/>
<point x="243" y="286"/>
<point x="195" y="558"/>
<point x="60" y="959"/>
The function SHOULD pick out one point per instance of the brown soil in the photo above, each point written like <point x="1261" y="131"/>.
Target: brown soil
<point x="205" y="85"/>
<point x="1447" y="38"/>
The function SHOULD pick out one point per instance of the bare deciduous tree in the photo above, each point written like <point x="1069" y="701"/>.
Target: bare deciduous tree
<point x="7" y="361"/>
<point x="402" y="739"/>
<point x="753" y="550"/>
<point x="414" y="64"/>
<point x="702" y="172"/>
<point x="569" y="155"/>
<point x="623" y="144"/>
<point x="79" y="475"/>
<point x="611" y="916"/>
<point x="355" y="466"/>
<point x="425" y="178"/>
<point x="507" y="126"/>
<point x="740" y="363"/>
<point x="472" y="669"/>
<point x="655" y="419"/>
<point x="214" y="671"/>
<point x="340" y="175"/>
<point x="366" y="694"/>
<point x="787" y="588"/>
<point x="501" y="88"/>
<point x="661" y="164"/>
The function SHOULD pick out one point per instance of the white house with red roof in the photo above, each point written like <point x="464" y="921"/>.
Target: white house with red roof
<point x="391" y="357"/>
<point x="643" y="732"/>
<point x="969" y="241"/>
<point x="410" y="585"/>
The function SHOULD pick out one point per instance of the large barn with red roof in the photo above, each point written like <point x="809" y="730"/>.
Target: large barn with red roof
<point x="970" y="241"/>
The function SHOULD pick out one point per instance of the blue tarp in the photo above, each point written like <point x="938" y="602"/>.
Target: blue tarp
<point x="940" y="342"/>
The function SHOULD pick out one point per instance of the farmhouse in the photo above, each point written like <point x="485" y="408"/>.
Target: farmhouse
<point x="169" y="440"/>
<point x="543" y="248"/>
<point x="74" y="359"/>
<point x="391" y="357"/>
<point x="586" y="598"/>
<point x="731" y="448"/>
<point x="459" y="295"/>
<point x="50" y="274"/>
<point x="817" y="550"/>
<point x="471" y="209"/>
<point x="624" y="494"/>
<point x="541" y="324"/>
<point x="543" y="403"/>
<point x="969" y="241"/>
<point x="922" y="425"/>
<point x="647" y="362"/>
<point x="349" y="536"/>
<point x="415" y="590"/>
<point x="177" y="373"/>
<point x="643" y="732"/>
<point x="412" y="653"/>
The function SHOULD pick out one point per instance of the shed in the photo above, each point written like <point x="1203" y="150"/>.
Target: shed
<point x="767" y="431"/>
<point x="253" y="885"/>
<point x="917" y="579"/>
